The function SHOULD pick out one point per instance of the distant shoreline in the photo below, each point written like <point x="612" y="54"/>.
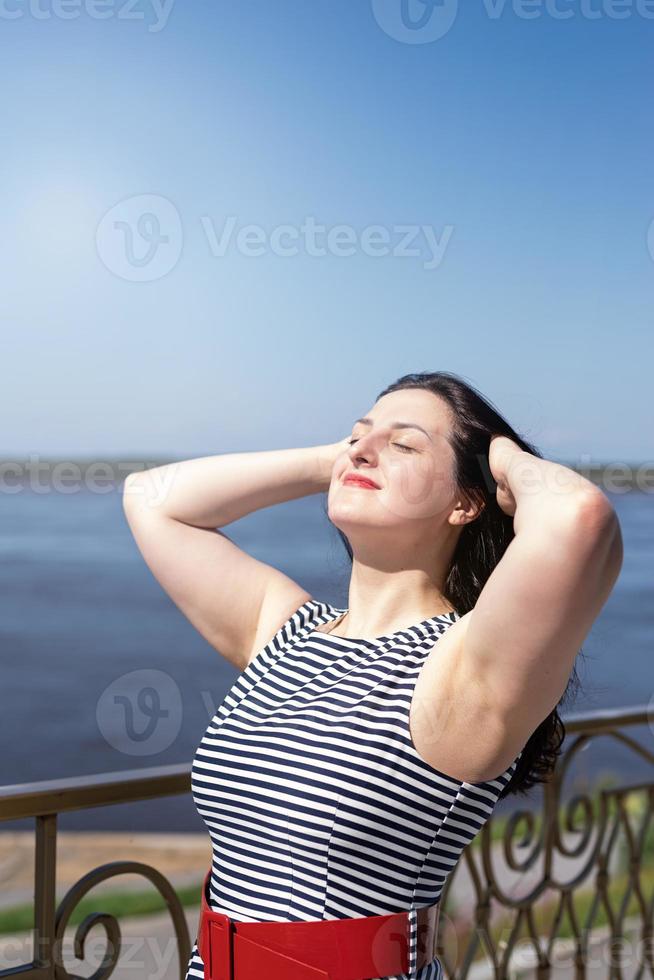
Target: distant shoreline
<point x="101" y="475"/>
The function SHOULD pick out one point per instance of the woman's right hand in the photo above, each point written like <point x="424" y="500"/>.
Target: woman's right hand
<point x="328" y="455"/>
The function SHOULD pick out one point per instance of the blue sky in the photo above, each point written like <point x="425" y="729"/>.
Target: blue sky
<point x="511" y="157"/>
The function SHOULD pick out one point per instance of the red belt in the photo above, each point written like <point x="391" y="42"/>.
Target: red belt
<point x="321" y="949"/>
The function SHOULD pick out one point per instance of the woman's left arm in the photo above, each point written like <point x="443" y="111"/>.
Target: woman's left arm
<point x="543" y="596"/>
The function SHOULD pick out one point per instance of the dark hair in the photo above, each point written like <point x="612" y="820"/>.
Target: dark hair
<point x="484" y="540"/>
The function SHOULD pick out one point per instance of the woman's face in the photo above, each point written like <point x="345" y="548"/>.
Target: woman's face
<point x="413" y="469"/>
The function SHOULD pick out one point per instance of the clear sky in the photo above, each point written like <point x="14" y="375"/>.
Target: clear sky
<point x="507" y="147"/>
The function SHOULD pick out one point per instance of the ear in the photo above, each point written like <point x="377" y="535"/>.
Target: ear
<point x="467" y="508"/>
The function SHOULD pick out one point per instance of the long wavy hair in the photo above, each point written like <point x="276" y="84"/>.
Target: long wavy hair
<point x="484" y="540"/>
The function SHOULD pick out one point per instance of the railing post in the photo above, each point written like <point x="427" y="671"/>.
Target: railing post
<point x="45" y="864"/>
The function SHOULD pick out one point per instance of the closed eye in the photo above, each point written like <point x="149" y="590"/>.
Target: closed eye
<point x="407" y="449"/>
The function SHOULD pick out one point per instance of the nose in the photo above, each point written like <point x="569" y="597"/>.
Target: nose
<point x="363" y="456"/>
<point x="363" y="448"/>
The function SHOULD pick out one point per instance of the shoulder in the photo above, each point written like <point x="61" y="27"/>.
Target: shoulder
<point x="281" y="620"/>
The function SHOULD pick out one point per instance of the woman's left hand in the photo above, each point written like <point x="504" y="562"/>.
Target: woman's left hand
<point x="502" y="449"/>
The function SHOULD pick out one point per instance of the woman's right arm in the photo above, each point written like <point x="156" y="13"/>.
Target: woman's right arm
<point x="174" y="513"/>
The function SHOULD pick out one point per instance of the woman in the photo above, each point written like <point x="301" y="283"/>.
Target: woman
<point x="361" y="749"/>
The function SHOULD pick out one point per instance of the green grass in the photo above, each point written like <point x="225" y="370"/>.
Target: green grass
<point x="121" y="904"/>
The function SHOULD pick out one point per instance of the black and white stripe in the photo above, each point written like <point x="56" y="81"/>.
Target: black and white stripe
<point x="317" y="804"/>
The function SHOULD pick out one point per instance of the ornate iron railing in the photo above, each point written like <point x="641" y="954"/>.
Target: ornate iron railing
<point x="45" y="801"/>
<point x="564" y="890"/>
<point x="570" y="883"/>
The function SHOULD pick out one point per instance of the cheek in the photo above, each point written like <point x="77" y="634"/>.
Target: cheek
<point x="419" y="487"/>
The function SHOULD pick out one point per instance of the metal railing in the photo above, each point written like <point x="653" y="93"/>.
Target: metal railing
<point x="45" y="801"/>
<point x="533" y="890"/>
<point x="564" y="890"/>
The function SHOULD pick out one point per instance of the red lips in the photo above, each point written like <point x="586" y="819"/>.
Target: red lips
<point x="362" y="481"/>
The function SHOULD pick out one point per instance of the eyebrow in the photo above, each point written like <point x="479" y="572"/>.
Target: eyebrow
<point x="398" y="425"/>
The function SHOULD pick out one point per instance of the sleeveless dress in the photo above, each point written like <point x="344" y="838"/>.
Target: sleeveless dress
<point x="317" y="804"/>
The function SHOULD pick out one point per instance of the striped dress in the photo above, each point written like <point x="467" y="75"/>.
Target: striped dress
<point x="317" y="804"/>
